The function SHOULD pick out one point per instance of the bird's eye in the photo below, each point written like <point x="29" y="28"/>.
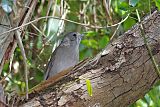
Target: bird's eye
<point x="74" y="35"/>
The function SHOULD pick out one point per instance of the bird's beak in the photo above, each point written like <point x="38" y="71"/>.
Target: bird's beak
<point x="82" y="35"/>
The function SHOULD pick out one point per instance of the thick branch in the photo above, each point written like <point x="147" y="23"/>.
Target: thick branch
<point x="120" y="75"/>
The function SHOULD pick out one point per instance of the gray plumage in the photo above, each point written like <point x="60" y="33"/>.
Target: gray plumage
<point x="65" y="55"/>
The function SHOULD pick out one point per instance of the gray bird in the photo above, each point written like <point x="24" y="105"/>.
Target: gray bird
<point x="65" y="55"/>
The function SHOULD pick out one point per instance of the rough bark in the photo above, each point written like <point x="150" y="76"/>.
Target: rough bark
<point x="120" y="74"/>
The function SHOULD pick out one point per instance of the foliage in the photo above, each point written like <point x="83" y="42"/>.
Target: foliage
<point x="92" y="13"/>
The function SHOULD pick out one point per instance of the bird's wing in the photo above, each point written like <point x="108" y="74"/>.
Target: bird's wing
<point x="51" y="62"/>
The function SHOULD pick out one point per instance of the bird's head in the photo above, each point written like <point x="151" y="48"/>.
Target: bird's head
<point x="72" y="39"/>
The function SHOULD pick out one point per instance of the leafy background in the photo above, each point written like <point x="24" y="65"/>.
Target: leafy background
<point x="94" y="14"/>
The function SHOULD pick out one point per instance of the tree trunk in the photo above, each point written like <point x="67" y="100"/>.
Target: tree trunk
<point x="120" y="74"/>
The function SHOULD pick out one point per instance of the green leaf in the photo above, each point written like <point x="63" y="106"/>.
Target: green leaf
<point x="91" y="34"/>
<point x="85" y="53"/>
<point x="91" y="43"/>
<point x="123" y="6"/>
<point x="103" y="42"/>
<point x="129" y="23"/>
<point x="157" y="2"/>
<point x="6" y="66"/>
<point x="89" y="87"/>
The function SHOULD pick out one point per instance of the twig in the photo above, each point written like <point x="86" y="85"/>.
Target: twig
<point x="115" y="32"/>
<point x="49" y="5"/>
<point x="5" y="26"/>
<point x="38" y="30"/>
<point x="19" y="41"/>
<point x="20" y="44"/>
<point x="82" y="24"/>
<point x="107" y="5"/>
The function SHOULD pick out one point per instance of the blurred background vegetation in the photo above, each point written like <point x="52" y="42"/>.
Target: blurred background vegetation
<point x="100" y="20"/>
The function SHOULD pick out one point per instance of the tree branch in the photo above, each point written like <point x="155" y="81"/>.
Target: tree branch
<point x="122" y="73"/>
